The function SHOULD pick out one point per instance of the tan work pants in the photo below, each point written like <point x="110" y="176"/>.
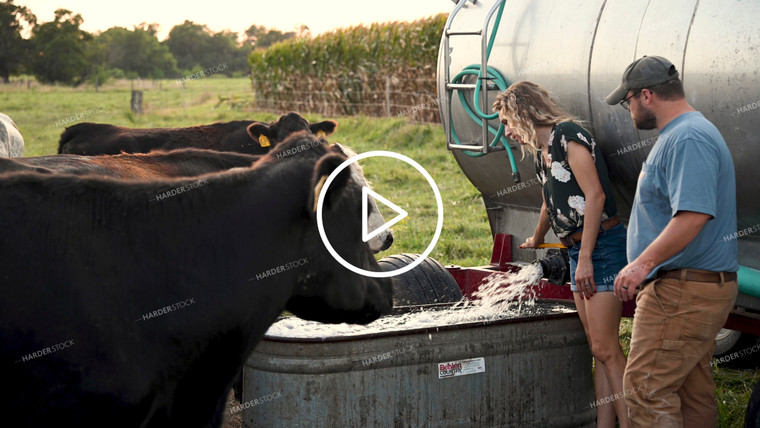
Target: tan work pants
<point x="672" y="344"/>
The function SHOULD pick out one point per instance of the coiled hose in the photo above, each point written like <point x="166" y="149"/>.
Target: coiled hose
<point x="474" y="112"/>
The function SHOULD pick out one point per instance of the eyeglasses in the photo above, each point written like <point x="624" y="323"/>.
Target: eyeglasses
<point x="626" y="103"/>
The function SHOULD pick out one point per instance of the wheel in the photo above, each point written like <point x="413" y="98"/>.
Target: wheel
<point x="429" y="282"/>
<point x="725" y="340"/>
<point x="737" y="350"/>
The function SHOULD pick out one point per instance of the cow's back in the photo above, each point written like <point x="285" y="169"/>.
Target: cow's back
<point x="175" y="163"/>
<point x="57" y="164"/>
<point x="103" y="139"/>
<point x="157" y="164"/>
<point x="194" y="162"/>
<point x="97" y="139"/>
<point x="11" y="141"/>
<point x="18" y="165"/>
<point x="221" y="136"/>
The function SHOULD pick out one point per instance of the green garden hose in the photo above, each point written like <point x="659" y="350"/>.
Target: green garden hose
<point x="476" y="114"/>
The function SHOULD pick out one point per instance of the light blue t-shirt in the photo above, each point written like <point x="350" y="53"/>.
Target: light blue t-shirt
<point x="689" y="169"/>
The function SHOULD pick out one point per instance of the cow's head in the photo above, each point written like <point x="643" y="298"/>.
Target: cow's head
<point x="384" y="239"/>
<point x="268" y="135"/>
<point x="326" y="291"/>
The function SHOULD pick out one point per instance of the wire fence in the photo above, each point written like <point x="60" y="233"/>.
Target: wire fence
<point x="389" y="96"/>
<point x="414" y="98"/>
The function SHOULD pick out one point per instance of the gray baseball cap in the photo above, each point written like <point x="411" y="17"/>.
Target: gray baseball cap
<point x="645" y="72"/>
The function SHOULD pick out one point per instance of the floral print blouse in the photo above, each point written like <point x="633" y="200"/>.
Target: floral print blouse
<point x="564" y="198"/>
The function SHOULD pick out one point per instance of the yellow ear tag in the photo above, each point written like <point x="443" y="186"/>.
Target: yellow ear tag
<point x="264" y="141"/>
<point x="321" y="134"/>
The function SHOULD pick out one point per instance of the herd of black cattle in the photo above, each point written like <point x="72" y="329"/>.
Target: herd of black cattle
<point x="131" y="285"/>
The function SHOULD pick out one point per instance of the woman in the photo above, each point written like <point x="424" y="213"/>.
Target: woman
<point x="579" y="206"/>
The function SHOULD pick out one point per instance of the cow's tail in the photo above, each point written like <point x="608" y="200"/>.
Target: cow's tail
<point x="69" y="134"/>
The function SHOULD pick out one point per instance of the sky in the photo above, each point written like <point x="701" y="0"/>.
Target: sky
<point x="238" y="15"/>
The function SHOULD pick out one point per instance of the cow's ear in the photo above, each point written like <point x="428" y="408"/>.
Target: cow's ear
<point x="324" y="167"/>
<point x="323" y="129"/>
<point x="260" y="133"/>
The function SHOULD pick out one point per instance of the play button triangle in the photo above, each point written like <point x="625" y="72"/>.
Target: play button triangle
<point x="366" y="192"/>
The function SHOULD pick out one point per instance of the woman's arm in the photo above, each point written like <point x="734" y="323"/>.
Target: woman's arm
<point x="584" y="169"/>
<point x="542" y="228"/>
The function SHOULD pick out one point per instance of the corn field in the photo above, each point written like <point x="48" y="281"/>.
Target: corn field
<point x="381" y="70"/>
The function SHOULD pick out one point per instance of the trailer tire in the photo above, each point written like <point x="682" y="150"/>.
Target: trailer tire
<point x="734" y="349"/>
<point x="725" y="341"/>
<point x="429" y="282"/>
<point x="752" y="415"/>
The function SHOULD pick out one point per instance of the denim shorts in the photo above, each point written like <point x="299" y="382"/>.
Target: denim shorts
<point x="608" y="258"/>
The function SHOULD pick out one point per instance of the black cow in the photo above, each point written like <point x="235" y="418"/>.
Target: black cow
<point x="153" y="165"/>
<point x="120" y="310"/>
<point x="243" y="136"/>
<point x="176" y="163"/>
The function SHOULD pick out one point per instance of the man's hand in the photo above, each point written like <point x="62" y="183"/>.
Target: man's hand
<point x="629" y="279"/>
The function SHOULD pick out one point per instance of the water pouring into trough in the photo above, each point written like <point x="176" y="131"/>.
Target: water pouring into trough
<point x="501" y="295"/>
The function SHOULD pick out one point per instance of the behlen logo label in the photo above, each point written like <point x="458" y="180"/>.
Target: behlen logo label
<point x="461" y="367"/>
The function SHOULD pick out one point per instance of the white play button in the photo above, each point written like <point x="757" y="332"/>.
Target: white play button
<point x="366" y="192"/>
<point x="365" y="195"/>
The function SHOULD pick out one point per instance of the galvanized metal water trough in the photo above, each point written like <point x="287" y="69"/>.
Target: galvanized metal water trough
<point x="526" y="372"/>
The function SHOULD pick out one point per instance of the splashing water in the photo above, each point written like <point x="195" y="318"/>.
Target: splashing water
<point x="500" y="292"/>
<point x="502" y="295"/>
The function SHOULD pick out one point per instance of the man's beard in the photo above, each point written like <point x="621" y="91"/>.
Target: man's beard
<point x="645" y="119"/>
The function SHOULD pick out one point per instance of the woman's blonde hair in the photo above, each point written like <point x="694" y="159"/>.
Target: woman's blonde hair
<point x="526" y="105"/>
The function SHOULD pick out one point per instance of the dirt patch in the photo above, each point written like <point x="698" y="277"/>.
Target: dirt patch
<point x="232" y="420"/>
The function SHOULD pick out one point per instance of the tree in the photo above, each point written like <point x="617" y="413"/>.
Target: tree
<point x="14" y="49"/>
<point x="137" y="51"/>
<point x="252" y="34"/>
<point x="151" y="29"/>
<point x="261" y="37"/>
<point x="189" y="42"/>
<point x="61" y="49"/>
<point x="196" y="48"/>
<point x="224" y="49"/>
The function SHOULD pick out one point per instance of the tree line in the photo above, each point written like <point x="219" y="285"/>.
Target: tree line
<point x="61" y="52"/>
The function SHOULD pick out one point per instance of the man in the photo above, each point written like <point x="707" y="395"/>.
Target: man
<point x="684" y="206"/>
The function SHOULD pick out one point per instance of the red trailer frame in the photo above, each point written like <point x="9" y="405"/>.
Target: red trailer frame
<point x="470" y="278"/>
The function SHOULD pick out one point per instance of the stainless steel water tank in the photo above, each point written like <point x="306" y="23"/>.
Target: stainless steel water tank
<point x="578" y="50"/>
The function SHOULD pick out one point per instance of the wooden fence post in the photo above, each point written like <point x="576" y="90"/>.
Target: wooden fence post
<point x="388" y="96"/>
<point x="136" y="101"/>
